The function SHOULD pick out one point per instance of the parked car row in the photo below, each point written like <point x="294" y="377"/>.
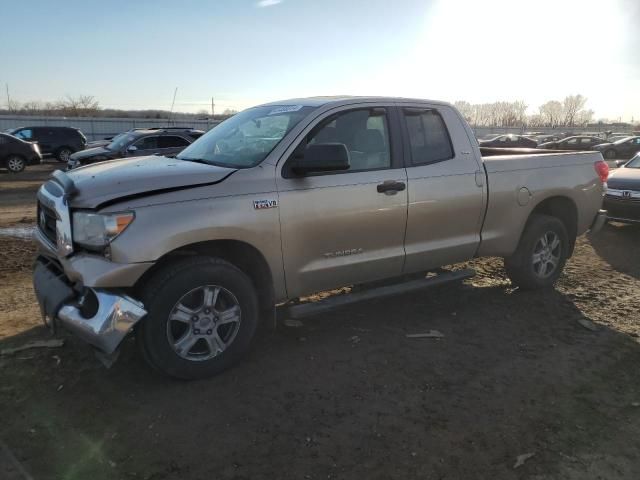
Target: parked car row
<point x="620" y="148"/>
<point x="20" y="147"/>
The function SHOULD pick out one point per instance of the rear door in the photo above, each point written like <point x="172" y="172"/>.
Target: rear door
<point x="446" y="189"/>
<point x="345" y="227"/>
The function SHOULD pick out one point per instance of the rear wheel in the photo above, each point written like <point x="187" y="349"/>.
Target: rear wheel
<point x="202" y="317"/>
<point x="610" y="154"/>
<point x="541" y="254"/>
<point x="16" y="164"/>
<point x="64" y="154"/>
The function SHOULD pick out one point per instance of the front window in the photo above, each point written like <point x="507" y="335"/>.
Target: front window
<point x="634" y="162"/>
<point x="363" y="132"/>
<point x="245" y="139"/>
<point x="120" y="141"/>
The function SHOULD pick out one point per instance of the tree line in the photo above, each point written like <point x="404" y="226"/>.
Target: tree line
<point x="89" y="106"/>
<point x="570" y="112"/>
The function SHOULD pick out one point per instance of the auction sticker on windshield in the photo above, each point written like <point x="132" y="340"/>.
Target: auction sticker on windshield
<point x="292" y="108"/>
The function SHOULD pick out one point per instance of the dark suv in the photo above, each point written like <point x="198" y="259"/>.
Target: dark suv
<point x="16" y="154"/>
<point x="60" y="142"/>
<point x="137" y="143"/>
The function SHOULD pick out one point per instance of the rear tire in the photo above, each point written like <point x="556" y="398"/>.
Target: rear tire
<point x="15" y="164"/>
<point x="202" y="317"/>
<point x="63" y="154"/>
<point x="541" y="254"/>
<point x="610" y="154"/>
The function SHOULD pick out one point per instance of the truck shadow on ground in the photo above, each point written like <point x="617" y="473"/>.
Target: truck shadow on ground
<point x="617" y="244"/>
<point x="348" y="395"/>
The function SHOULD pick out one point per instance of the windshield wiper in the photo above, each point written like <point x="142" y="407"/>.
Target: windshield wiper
<point x="195" y="160"/>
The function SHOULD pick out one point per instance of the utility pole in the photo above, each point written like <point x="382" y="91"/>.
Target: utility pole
<point x="212" y="109"/>
<point x="8" y="98"/>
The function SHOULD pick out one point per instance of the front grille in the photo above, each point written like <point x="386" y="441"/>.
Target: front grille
<point x="619" y="208"/>
<point x="47" y="222"/>
<point x="622" y="200"/>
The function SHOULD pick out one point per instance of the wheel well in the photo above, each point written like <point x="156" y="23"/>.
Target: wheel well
<point x="564" y="210"/>
<point x="241" y="254"/>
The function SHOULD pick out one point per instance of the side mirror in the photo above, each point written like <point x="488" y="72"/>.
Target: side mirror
<point x="620" y="163"/>
<point x="324" y="157"/>
<point x="132" y="148"/>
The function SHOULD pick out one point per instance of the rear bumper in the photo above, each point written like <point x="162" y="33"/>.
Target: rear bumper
<point x="599" y="221"/>
<point x="99" y="317"/>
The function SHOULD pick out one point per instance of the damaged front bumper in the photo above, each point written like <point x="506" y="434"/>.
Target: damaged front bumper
<point x="100" y="317"/>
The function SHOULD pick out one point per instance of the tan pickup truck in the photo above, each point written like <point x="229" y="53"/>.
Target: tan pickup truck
<point x="287" y="199"/>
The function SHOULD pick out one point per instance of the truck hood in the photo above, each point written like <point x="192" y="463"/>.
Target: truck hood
<point x="102" y="152"/>
<point x="106" y="182"/>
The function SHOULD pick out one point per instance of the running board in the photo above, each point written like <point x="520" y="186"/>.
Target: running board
<point x="321" y="306"/>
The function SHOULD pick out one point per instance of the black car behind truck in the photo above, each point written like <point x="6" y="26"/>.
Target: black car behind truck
<point x="622" y="197"/>
<point x="60" y="142"/>
<point x="138" y="142"/>
<point x="16" y="154"/>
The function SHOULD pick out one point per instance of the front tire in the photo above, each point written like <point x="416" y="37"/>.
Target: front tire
<point x="202" y="317"/>
<point x="541" y="254"/>
<point x="16" y="164"/>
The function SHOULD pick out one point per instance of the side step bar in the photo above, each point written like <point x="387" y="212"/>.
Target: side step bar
<point x="321" y="306"/>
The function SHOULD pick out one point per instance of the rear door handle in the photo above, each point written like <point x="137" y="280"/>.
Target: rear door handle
<point x="391" y="187"/>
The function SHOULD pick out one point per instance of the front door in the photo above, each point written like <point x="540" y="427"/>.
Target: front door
<point x="447" y="191"/>
<point x="144" y="146"/>
<point x="345" y="227"/>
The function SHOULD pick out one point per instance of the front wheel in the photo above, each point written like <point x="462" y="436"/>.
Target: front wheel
<point x="541" y="254"/>
<point x="16" y="164"/>
<point x="63" y="154"/>
<point x="202" y="317"/>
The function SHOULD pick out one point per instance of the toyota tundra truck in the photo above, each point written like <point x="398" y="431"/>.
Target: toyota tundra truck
<point x="190" y="254"/>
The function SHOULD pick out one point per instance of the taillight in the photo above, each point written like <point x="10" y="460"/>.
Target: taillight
<point x="602" y="169"/>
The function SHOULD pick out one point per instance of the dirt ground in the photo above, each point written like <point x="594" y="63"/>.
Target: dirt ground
<point x="347" y="395"/>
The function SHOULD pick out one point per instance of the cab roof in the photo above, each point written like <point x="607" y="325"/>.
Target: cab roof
<point x="345" y="100"/>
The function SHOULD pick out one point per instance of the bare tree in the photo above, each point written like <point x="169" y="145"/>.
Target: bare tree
<point x="571" y="106"/>
<point x="80" y="106"/>
<point x="552" y="113"/>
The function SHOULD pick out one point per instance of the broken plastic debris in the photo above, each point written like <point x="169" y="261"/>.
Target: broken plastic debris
<point x="54" y="343"/>
<point x="588" y="324"/>
<point x="429" y="334"/>
<point x="520" y="459"/>
<point x="290" y="322"/>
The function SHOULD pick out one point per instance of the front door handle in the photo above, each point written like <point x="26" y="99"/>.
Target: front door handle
<point x="391" y="187"/>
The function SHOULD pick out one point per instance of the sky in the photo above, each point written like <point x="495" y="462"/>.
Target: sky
<point x="133" y="54"/>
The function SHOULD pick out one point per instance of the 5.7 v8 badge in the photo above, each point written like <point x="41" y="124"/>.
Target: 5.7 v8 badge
<point x="261" y="204"/>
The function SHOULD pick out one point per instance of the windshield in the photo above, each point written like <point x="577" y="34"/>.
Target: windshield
<point x="622" y="140"/>
<point x="120" y="141"/>
<point x="245" y="139"/>
<point x="634" y="162"/>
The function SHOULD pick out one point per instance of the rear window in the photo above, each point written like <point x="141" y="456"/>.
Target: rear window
<point x="428" y="136"/>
